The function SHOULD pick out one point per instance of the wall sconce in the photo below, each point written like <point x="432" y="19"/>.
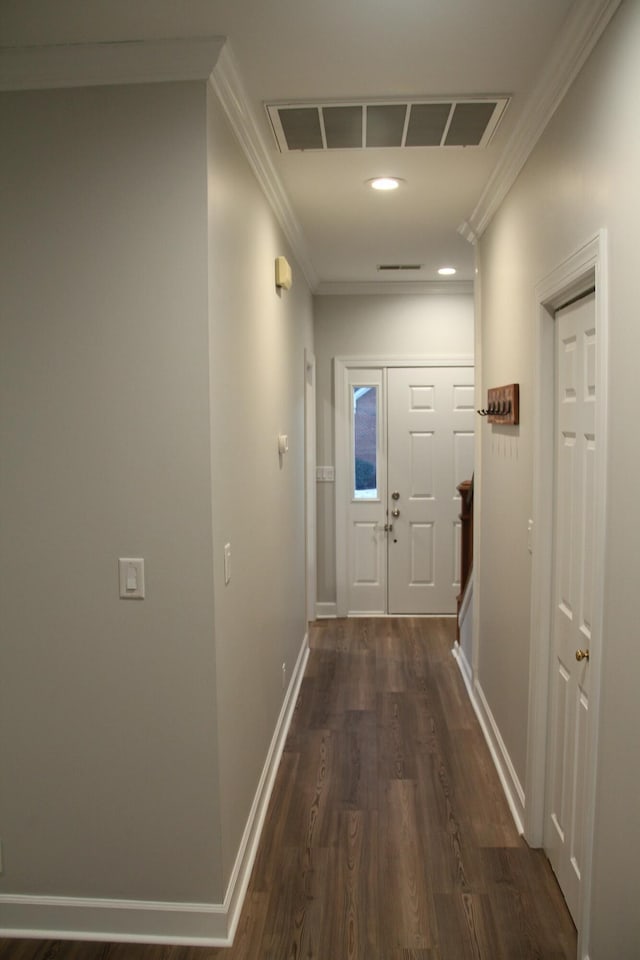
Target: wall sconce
<point x="283" y="273"/>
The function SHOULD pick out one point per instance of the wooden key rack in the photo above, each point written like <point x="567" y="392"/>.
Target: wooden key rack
<point x="503" y="405"/>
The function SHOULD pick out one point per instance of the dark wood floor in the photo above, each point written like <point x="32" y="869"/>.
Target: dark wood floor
<point x="388" y="836"/>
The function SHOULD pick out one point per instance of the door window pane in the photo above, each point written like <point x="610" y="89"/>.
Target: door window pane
<point x="365" y="442"/>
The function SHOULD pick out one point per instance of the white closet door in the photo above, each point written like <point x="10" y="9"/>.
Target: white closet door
<point x="573" y="592"/>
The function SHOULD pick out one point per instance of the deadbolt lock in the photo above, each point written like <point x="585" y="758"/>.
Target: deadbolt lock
<point x="395" y="495"/>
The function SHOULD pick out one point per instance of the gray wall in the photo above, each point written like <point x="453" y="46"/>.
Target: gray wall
<point x="147" y="364"/>
<point x="376" y="326"/>
<point x="582" y="176"/>
<point x="258" y="338"/>
<point x="107" y="706"/>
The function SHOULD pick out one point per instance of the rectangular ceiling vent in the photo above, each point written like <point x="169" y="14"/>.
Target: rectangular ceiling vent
<point x="463" y="122"/>
<point x="399" y="266"/>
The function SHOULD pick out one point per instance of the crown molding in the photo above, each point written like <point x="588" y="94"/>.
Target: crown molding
<point x="394" y="288"/>
<point x="467" y="232"/>
<point x="582" y="29"/>
<point x="154" y="61"/>
<point x="99" y="64"/>
<point x="227" y="84"/>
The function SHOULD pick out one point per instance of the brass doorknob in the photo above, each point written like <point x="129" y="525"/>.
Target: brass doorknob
<point x="582" y="655"/>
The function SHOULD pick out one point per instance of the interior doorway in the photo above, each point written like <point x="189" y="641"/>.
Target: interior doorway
<point x="404" y="440"/>
<point x="569" y="499"/>
<point x="574" y="503"/>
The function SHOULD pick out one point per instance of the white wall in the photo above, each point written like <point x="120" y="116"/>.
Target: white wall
<point x="376" y="326"/>
<point x="582" y="176"/>
<point x="258" y="338"/>
<point x="147" y="365"/>
<point x="108" y="755"/>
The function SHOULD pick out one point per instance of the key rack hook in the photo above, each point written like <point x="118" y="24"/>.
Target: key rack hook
<point x="503" y="405"/>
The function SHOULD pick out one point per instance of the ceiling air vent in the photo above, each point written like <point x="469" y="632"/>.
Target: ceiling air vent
<point x="463" y="122"/>
<point x="399" y="266"/>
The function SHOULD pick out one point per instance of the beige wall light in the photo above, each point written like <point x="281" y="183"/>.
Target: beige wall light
<point x="283" y="273"/>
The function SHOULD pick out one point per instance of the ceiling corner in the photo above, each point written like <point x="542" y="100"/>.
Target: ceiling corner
<point x="582" y="29"/>
<point x="394" y="288"/>
<point x="227" y="84"/>
<point x="108" y="62"/>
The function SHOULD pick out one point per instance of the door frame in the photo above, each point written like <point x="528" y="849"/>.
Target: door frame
<point x="342" y="422"/>
<point x="586" y="268"/>
<point x="310" y="482"/>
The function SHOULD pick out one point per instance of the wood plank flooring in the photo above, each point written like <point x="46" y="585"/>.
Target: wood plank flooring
<point x="388" y="836"/>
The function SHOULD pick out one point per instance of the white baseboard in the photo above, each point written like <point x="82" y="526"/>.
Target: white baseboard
<point x="124" y="921"/>
<point x="465" y="668"/>
<point x="241" y="872"/>
<point x="466" y="605"/>
<point x="499" y="754"/>
<point x="137" y="921"/>
<point x="326" y="611"/>
<point x="329" y="611"/>
<point x="381" y="615"/>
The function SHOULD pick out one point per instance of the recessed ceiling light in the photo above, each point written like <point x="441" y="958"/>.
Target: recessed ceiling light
<point x="447" y="271"/>
<point x="384" y="183"/>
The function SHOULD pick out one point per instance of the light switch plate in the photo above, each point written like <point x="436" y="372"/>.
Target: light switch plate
<point x="227" y="563"/>
<point x="326" y="474"/>
<point x="131" y="575"/>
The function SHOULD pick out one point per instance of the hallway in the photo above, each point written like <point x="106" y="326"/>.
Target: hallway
<point x="388" y="836"/>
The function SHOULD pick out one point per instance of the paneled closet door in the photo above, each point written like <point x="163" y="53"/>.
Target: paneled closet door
<point x="573" y="592"/>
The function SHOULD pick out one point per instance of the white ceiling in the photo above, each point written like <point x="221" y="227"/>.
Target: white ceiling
<point x="353" y="49"/>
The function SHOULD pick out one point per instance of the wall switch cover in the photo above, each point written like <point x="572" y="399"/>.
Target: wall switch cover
<point x="131" y="575"/>
<point x="227" y="563"/>
<point x="326" y="474"/>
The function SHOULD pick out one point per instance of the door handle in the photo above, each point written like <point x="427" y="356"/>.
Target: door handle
<point x="395" y="512"/>
<point x="582" y="655"/>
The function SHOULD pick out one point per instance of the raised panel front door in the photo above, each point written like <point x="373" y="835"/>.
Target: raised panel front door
<point x="430" y="429"/>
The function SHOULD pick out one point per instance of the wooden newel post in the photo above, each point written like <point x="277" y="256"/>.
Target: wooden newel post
<point x="465" y="489"/>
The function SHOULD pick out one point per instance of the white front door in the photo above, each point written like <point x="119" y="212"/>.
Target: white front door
<point x="410" y="442"/>
<point x="573" y="593"/>
<point x="430" y="450"/>
<point x="366" y="476"/>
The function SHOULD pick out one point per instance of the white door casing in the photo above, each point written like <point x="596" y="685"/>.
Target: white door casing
<point x="573" y="590"/>
<point x="361" y="540"/>
<point x="430" y="429"/>
<point x="584" y="269"/>
<point x="310" y="480"/>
